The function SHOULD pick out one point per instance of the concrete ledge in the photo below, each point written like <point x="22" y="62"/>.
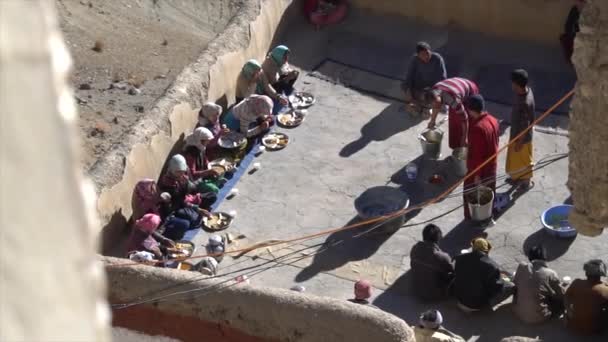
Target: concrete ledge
<point x="539" y="21"/>
<point x="271" y="314"/>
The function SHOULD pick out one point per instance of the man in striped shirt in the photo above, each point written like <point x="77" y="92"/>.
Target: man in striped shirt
<point x="452" y="92"/>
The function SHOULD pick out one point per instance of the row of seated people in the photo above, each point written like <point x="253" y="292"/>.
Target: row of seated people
<point x="478" y="283"/>
<point x="163" y="212"/>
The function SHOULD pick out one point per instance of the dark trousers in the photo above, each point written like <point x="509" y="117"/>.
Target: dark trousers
<point x="283" y="86"/>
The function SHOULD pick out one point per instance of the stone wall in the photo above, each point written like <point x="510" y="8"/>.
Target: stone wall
<point x="540" y="21"/>
<point x="588" y="173"/>
<point x="209" y="310"/>
<point x="51" y="283"/>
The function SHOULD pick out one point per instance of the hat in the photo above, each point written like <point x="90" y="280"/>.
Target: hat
<point x="595" y="268"/>
<point x="431" y="319"/>
<point x="475" y="103"/>
<point x="481" y="245"/>
<point x="363" y="289"/>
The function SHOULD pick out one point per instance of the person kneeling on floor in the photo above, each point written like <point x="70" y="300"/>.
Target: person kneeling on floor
<point x="429" y="329"/>
<point x="479" y="283"/>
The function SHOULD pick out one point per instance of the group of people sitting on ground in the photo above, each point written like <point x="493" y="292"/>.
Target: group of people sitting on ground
<point x="478" y="283"/>
<point x="471" y="128"/>
<point x="163" y="212"/>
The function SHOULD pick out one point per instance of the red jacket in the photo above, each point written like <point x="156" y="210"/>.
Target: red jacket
<point x="483" y="143"/>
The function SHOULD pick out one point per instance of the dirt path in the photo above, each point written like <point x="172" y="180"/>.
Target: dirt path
<point x="126" y="53"/>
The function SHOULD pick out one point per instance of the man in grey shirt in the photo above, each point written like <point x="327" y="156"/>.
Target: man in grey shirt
<point x="520" y="153"/>
<point x="425" y="70"/>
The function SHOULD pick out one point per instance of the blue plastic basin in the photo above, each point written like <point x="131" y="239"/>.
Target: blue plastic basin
<point x="555" y="221"/>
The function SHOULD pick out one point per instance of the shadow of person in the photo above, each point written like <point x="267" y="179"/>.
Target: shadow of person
<point x="383" y="126"/>
<point x="556" y="247"/>
<point x="343" y="247"/>
<point x="459" y="237"/>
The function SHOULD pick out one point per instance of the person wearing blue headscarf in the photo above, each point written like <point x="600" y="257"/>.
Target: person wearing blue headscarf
<point x="278" y="71"/>
<point x="252" y="80"/>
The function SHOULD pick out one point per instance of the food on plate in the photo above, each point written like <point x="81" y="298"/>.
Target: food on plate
<point x="217" y="221"/>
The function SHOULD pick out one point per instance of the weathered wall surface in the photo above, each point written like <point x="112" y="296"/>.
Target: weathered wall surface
<point x="535" y="20"/>
<point x="588" y="176"/>
<point x="270" y="314"/>
<point x="51" y="283"/>
<point x="143" y="153"/>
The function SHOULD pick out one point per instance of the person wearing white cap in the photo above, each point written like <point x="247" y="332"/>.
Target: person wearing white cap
<point x="206" y="180"/>
<point x="429" y="329"/>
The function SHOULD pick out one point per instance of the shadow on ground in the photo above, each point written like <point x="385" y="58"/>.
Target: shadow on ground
<point x="390" y="121"/>
<point x="556" y="247"/>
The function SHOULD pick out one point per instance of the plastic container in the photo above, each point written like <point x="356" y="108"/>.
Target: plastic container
<point x="555" y="221"/>
<point x="411" y="170"/>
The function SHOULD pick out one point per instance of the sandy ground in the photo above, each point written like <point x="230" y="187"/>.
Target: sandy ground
<point x="124" y="47"/>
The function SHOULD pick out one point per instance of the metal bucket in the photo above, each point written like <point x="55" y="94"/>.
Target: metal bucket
<point x="430" y="140"/>
<point x="481" y="211"/>
<point x="459" y="157"/>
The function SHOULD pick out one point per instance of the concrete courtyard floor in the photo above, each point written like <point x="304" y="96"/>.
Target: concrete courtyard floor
<point x="352" y="141"/>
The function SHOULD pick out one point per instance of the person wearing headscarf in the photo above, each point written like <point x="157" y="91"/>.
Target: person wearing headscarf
<point x="429" y="329"/>
<point x="431" y="268"/>
<point x="363" y="292"/>
<point x="144" y="236"/>
<point x="184" y="192"/>
<point x="539" y="294"/>
<point x="325" y="12"/>
<point x="483" y="135"/>
<point x="203" y="179"/>
<point x="278" y="71"/>
<point x="587" y="300"/>
<point x="145" y="198"/>
<point x="479" y="283"/>
<point x="252" y="116"/>
<point x="209" y="117"/>
<point x="252" y="80"/>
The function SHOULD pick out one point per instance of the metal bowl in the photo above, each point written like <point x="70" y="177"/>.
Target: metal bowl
<point x="225" y="217"/>
<point x="275" y="141"/>
<point x="302" y="100"/>
<point x="232" y="140"/>
<point x="227" y="163"/>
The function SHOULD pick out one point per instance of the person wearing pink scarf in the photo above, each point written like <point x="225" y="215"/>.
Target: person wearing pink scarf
<point x="144" y="236"/>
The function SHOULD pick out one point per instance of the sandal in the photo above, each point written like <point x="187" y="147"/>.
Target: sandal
<point x="522" y="189"/>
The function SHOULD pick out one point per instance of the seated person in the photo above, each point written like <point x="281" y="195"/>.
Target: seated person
<point x="144" y="236"/>
<point x="209" y="117"/>
<point x="252" y="80"/>
<point x="539" y="295"/>
<point x="181" y="221"/>
<point x="429" y="329"/>
<point x="278" y="71"/>
<point x="325" y="12"/>
<point x="194" y="152"/>
<point x="478" y="283"/>
<point x="432" y="269"/>
<point x="252" y="116"/>
<point x="145" y="199"/>
<point x="184" y="192"/>
<point x="363" y="292"/>
<point x="587" y="300"/>
<point x="426" y="69"/>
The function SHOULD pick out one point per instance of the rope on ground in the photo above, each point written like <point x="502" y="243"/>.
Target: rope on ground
<point x="388" y="216"/>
